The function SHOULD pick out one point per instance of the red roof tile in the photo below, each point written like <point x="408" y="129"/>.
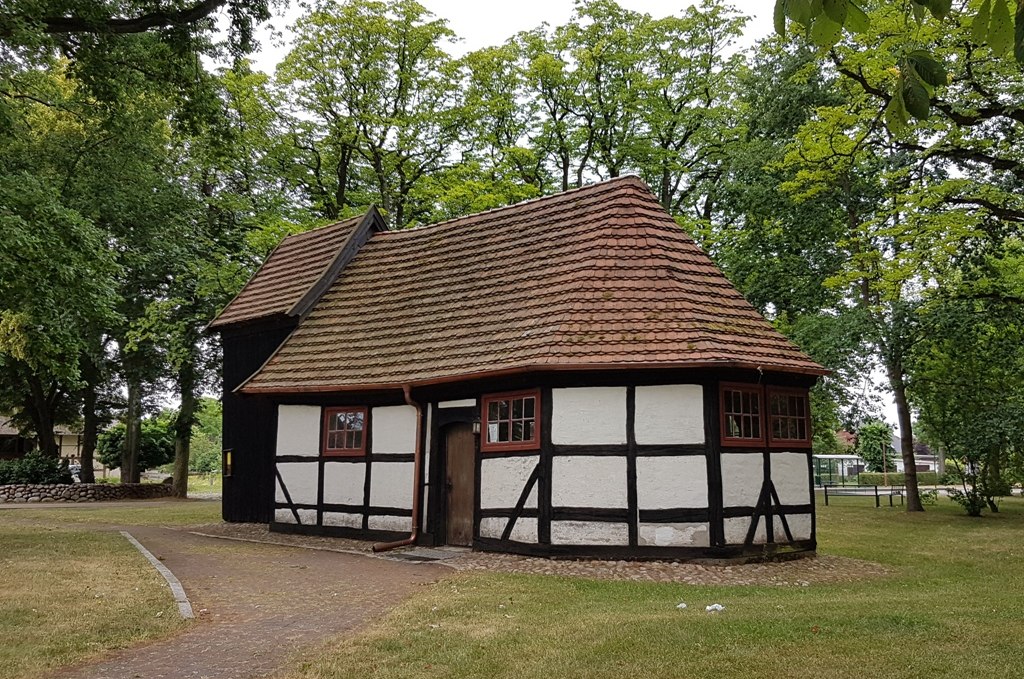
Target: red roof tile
<point x="595" y="278"/>
<point x="292" y="269"/>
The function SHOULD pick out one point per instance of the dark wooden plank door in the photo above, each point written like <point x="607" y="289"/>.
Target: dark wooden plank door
<point x="459" y="447"/>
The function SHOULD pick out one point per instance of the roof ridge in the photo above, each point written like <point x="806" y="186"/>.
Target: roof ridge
<point x="630" y="177"/>
<point x="315" y="229"/>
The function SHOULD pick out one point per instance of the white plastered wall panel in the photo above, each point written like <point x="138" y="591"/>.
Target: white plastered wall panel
<point x="343" y="520"/>
<point x="283" y="516"/>
<point x="525" y="529"/>
<point x="670" y="482"/>
<point x="427" y="453"/>
<point x="789" y="474"/>
<point x="307" y="517"/>
<point x="670" y="414"/>
<point x="736" y="531"/>
<point x="344" y="483"/>
<point x="460" y="403"/>
<point x="298" y="430"/>
<point x="594" y="415"/>
<point x="588" y="481"/>
<point x="393" y="429"/>
<point x="674" y="535"/>
<point x="391" y="484"/>
<point x="742" y="479"/>
<point x="301" y="479"/>
<point x="589" y="533"/>
<point x="799" y="526"/>
<point x="502" y="480"/>
<point x="398" y="524"/>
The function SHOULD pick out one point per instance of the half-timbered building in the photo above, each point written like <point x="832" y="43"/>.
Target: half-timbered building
<point x="568" y="376"/>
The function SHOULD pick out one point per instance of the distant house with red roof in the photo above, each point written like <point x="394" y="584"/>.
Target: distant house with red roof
<point x="570" y="375"/>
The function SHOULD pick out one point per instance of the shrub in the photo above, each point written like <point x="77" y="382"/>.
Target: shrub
<point x="878" y="479"/>
<point x="35" y="468"/>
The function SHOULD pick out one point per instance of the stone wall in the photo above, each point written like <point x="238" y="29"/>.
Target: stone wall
<point x="83" y="492"/>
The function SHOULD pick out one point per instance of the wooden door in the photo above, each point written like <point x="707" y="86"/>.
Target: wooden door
<point x="460" y="470"/>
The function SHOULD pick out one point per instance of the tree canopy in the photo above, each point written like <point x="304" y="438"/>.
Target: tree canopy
<point x="859" y="180"/>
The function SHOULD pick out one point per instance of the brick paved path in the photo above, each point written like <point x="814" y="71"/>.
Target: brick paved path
<point x="262" y="604"/>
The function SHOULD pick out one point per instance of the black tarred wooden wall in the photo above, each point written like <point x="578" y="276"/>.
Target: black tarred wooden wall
<point x="249" y="423"/>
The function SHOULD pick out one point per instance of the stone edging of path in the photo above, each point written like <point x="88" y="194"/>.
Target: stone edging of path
<point x="180" y="598"/>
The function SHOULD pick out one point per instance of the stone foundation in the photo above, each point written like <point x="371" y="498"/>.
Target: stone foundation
<point x="83" y="492"/>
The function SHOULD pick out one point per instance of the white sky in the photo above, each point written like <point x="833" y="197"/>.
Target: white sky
<point x="482" y="24"/>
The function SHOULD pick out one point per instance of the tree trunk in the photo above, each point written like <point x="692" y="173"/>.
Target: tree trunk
<point x="899" y="390"/>
<point x="130" y="472"/>
<point x="90" y="422"/>
<point x="40" y="408"/>
<point x="183" y="428"/>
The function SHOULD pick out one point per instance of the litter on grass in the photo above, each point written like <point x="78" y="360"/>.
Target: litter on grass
<point x="681" y="606"/>
<point x="714" y="608"/>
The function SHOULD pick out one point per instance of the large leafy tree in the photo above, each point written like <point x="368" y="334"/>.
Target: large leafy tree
<point x="382" y="97"/>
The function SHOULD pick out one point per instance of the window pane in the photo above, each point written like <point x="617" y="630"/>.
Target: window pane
<point x="755" y="404"/>
<point x="492" y="432"/>
<point x="492" y="411"/>
<point x="335" y="424"/>
<point x="358" y="439"/>
<point x="755" y="429"/>
<point x="350" y="439"/>
<point x="503" y="431"/>
<point x="503" y="410"/>
<point x="517" y="409"/>
<point x="356" y="421"/>
<point x="332" y="440"/>
<point x="528" y="406"/>
<point x="731" y="427"/>
<point x="517" y="430"/>
<point x="528" y="430"/>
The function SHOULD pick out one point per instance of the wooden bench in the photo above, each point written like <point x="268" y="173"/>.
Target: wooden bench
<point x="878" y="492"/>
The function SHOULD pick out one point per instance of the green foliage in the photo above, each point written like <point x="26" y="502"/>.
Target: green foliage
<point x="207" y="438"/>
<point x="970" y="366"/>
<point x="874" y="445"/>
<point x="896" y="479"/>
<point x="157" y="446"/>
<point x="920" y="70"/>
<point x="34" y="467"/>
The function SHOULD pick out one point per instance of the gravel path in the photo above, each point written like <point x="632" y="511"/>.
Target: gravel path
<point x="801" y="572"/>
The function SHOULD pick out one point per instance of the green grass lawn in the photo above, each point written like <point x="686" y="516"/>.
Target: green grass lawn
<point x="953" y="607"/>
<point x="68" y="594"/>
<point x="205" y="483"/>
<point x="71" y="588"/>
<point x="134" y="512"/>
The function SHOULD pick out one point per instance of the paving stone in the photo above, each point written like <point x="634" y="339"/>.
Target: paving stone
<point x="263" y="602"/>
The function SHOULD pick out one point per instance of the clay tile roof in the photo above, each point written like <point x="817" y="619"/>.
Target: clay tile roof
<point x="594" y="278"/>
<point x="295" y="266"/>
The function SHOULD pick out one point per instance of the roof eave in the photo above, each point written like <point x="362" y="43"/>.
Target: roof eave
<point x="809" y="371"/>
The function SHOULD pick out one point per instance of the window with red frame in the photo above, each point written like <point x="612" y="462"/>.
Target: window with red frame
<point x="511" y="421"/>
<point x="741" y="415"/>
<point x="753" y="415"/>
<point x="788" y="416"/>
<point x="344" y="431"/>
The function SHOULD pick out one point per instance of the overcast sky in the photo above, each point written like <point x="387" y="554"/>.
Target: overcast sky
<point x="481" y="24"/>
